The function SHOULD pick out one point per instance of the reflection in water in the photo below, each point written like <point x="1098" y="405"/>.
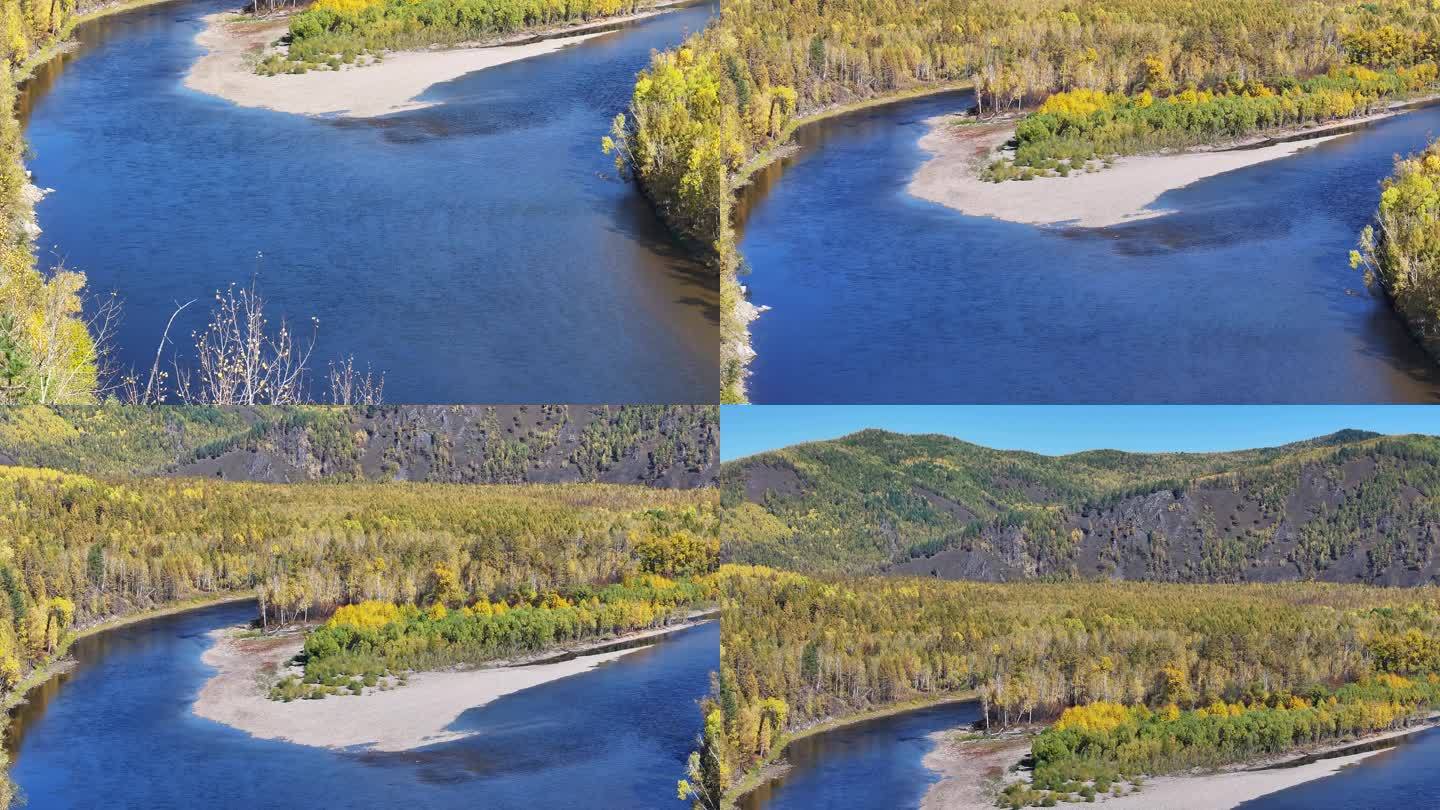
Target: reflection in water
<point x="1243" y="295"/>
<point x="118" y="731"/>
<point x="872" y="764"/>
<point x="481" y="250"/>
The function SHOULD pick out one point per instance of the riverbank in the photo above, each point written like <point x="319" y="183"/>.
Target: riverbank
<point x="59" y="663"/>
<point x="737" y="311"/>
<point x="421" y="712"/>
<point x="773" y="766"/>
<point x="783" y="146"/>
<point x="974" y="771"/>
<point x="113" y="7"/>
<point x="1124" y="192"/>
<point x="235" y="44"/>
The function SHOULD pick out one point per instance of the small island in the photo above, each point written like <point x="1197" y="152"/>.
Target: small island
<point x="362" y="59"/>
<point x="399" y="682"/>
<point x="1117" y="154"/>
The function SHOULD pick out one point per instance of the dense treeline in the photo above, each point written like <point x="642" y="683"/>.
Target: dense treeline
<point x="798" y="650"/>
<point x="1401" y="253"/>
<point x="109" y="547"/>
<point x="47" y="351"/>
<point x="331" y="33"/>
<point x="363" y="643"/>
<point x="1345" y="507"/>
<point x="772" y="62"/>
<point x="113" y="546"/>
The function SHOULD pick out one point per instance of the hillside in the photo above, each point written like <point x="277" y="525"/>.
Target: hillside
<point x="673" y="446"/>
<point x="1349" y="507"/>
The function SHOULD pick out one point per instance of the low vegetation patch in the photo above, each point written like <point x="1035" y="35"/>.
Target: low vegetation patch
<point x="331" y="34"/>
<point x="1085" y="130"/>
<point x="377" y="644"/>
<point x="1109" y="747"/>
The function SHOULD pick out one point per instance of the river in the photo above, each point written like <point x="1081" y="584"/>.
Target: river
<point x="1401" y="776"/>
<point x="873" y="763"/>
<point x="1244" y="294"/>
<point x="879" y="764"/>
<point x="118" y="732"/>
<point x="481" y="250"/>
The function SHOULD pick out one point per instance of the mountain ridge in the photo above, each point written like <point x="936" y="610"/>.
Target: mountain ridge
<point x="1347" y="506"/>
<point x="479" y="444"/>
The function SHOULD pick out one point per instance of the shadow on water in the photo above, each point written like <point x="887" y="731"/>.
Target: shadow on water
<point x="486" y="232"/>
<point x="1241" y="293"/>
<point x="874" y="763"/>
<point x="119" y="731"/>
<point x="1402" y="774"/>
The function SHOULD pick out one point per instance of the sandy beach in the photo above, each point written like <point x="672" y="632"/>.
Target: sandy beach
<point x="418" y="713"/>
<point x="1125" y="192"/>
<point x="233" y="47"/>
<point x="973" y="772"/>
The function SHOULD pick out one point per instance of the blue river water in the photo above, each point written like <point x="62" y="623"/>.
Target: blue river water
<point x="480" y="250"/>
<point x="118" y="732"/>
<point x="1402" y="776"/>
<point x="871" y="764"/>
<point x="878" y="765"/>
<point x="1243" y="295"/>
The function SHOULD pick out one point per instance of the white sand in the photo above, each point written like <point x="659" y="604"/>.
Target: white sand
<point x="1226" y="789"/>
<point x="972" y="773"/>
<point x="1124" y="192"/>
<point x="415" y="714"/>
<point x="232" y="48"/>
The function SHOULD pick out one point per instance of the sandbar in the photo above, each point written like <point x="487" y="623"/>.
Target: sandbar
<point x="234" y="45"/>
<point x="418" y="713"/>
<point x="1124" y="192"/>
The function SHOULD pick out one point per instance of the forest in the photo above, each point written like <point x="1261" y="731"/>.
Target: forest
<point x="1140" y="678"/>
<point x="76" y="549"/>
<point x="1347" y="507"/>
<point x="331" y="33"/>
<point x="707" y="113"/>
<point x="1400" y="253"/>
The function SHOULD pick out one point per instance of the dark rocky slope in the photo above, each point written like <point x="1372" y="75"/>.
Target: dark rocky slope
<point x="1351" y="507"/>
<point x="672" y="446"/>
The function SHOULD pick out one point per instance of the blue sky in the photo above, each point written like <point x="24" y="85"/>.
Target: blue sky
<point x="749" y="429"/>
